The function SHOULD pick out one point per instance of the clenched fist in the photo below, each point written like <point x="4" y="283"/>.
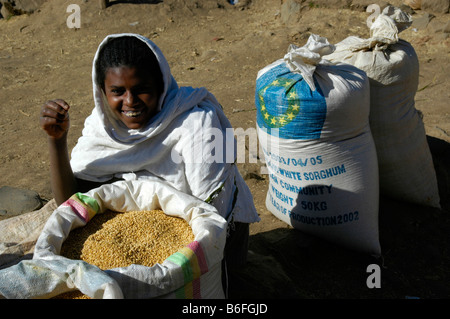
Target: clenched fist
<point x="54" y="118"/>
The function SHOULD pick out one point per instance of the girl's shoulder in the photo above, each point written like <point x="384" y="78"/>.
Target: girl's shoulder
<point x="205" y="113"/>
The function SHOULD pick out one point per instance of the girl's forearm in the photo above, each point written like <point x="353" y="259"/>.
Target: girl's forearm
<point x="63" y="182"/>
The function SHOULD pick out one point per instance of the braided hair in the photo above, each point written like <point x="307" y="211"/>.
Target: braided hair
<point x="129" y="52"/>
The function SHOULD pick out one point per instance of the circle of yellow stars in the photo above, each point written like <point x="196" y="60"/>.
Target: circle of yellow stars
<point x="276" y="121"/>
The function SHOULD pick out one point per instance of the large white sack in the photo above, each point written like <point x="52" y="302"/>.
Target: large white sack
<point x="192" y="272"/>
<point x="405" y="162"/>
<point x="313" y="127"/>
<point x="19" y="234"/>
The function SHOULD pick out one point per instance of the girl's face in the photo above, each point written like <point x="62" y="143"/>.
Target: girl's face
<point x="131" y="95"/>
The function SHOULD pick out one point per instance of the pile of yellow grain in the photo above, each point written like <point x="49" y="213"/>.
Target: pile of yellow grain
<point x="114" y="239"/>
<point x="75" y="294"/>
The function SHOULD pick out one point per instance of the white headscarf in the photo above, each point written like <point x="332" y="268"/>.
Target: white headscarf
<point x="167" y="148"/>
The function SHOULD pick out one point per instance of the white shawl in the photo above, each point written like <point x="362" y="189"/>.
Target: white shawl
<point x="174" y="147"/>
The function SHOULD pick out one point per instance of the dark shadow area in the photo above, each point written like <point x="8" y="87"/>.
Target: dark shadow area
<point x="109" y="3"/>
<point x="415" y="242"/>
<point x="440" y="151"/>
<point x="286" y="263"/>
<point x="8" y="260"/>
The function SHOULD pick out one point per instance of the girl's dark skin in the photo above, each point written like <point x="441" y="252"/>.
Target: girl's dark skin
<point x="131" y="96"/>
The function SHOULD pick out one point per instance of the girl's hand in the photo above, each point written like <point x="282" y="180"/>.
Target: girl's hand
<point x="54" y="118"/>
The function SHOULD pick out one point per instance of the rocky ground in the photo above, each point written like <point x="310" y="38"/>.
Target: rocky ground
<point x="222" y="46"/>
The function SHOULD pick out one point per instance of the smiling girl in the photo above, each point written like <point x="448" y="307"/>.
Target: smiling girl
<point x="139" y="122"/>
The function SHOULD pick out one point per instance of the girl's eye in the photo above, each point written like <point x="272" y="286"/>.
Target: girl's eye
<point x="144" y="91"/>
<point x="117" y="91"/>
<point x="137" y="91"/>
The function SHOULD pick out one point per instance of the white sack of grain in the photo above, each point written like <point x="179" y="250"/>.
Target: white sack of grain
<point x="405" y="162"/>
<point x="192" y="272"/>
<point x="312" y="119"/>
<point x="19" y="234"/>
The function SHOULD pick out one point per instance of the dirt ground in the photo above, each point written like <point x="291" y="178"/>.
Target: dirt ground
<point x="221" y="47"/>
